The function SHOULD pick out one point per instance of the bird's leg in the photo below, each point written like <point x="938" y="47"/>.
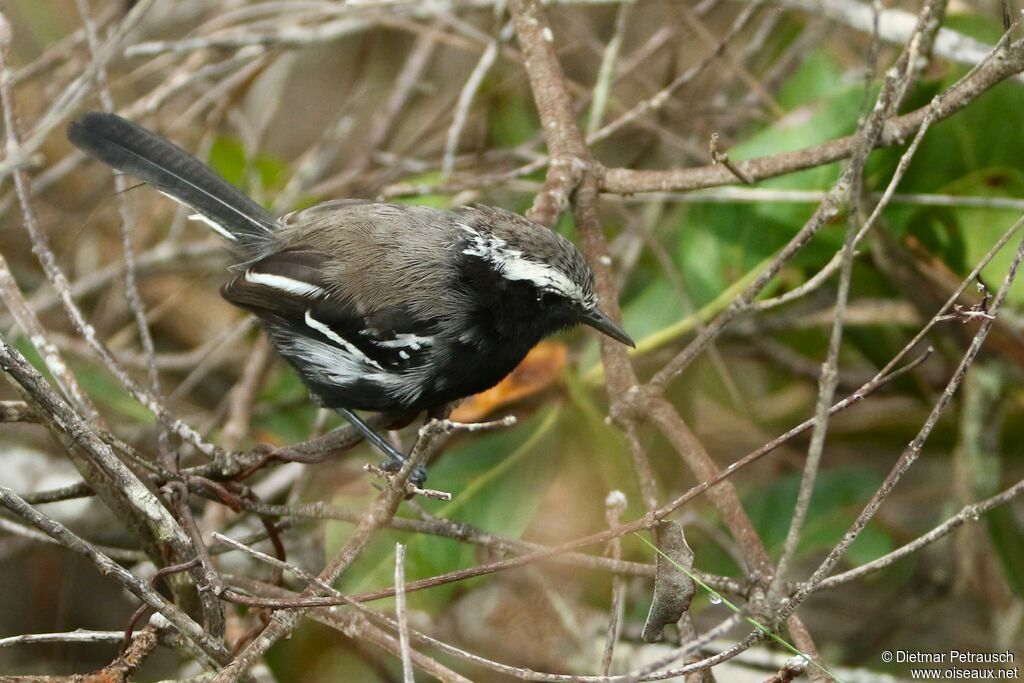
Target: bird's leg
<point x="395" y="459"/>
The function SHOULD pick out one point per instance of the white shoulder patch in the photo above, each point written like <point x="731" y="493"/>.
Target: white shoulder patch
<point x="405" y="339"/>
<point x="285" y="284"/>
<point x="346" y="366"/>
<point x="339" y="340"/>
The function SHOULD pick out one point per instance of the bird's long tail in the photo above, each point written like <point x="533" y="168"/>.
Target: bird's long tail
<point x="132" y="149"/>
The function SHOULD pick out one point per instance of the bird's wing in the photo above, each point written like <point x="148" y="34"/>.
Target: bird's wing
<point x="288" y="289"/>
<point x="321" y="210"/>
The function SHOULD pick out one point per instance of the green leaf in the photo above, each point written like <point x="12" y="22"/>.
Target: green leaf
<point x="720" y="243"/>
<point x="95" y="382"/>
<point x="108" y="393"/>
<point x="511" y="121"/>
<point x="984" y="28"/>
<point x="811" y="125"/>
<point x="291" y="422"/>
<point x="660" y="310"/>
<point x="839" y="494"/>
<point x="272" y="170"/>
<point x="598" y="449"/>
<point x="227" y="157"/>
<point x="962" y="235"/>
<point x="872" y="543"/>
<point x="818" y="77"/>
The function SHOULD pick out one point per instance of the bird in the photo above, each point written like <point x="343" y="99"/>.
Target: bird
<point x="380" y="307"/>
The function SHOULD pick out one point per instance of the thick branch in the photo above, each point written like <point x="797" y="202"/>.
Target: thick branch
<point x="897" y="130"/>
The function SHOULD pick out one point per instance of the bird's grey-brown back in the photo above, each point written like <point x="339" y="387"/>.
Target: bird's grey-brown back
<point x="379" y="253"/>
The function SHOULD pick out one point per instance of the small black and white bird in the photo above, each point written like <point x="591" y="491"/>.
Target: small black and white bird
<point x="380" y="307"/>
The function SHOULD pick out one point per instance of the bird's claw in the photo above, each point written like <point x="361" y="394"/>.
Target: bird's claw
<point x="418" y="477"/>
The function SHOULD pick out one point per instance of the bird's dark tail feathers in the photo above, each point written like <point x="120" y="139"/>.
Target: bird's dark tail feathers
<point x="130" y="148"/>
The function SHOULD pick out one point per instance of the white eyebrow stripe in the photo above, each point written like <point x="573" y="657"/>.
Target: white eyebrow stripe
<point x="285" y="284"/>
<point x="512" y="265"/>
<point x="540" y="274"/>
<point x="213" y="224"/>
<point x="339" y="340"/>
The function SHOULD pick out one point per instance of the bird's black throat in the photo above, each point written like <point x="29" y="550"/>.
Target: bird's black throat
<point x="506" y="320"/>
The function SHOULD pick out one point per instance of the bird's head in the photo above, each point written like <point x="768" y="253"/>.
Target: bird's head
<point x="536" y="278"/>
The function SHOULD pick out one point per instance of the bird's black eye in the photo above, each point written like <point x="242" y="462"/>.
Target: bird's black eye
<point x="549" y="298"/>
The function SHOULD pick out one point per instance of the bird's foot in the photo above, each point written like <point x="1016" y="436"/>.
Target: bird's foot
<point x="418" y="476"/>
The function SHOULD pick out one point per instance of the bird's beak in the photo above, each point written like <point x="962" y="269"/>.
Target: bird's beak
<point x="603" y="324"/>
